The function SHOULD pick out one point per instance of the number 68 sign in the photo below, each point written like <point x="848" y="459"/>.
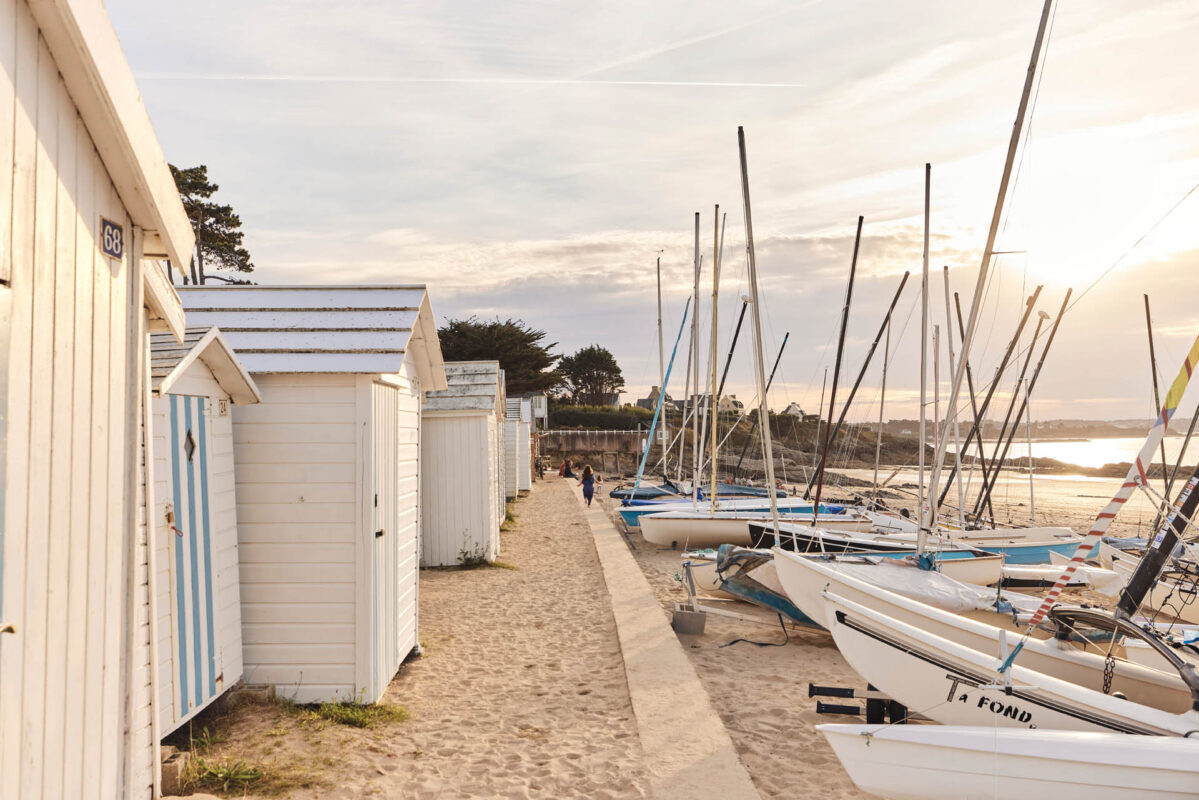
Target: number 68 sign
<point x="112" y="239"/>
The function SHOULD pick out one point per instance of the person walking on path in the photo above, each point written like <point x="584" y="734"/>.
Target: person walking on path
<point x="588" y="481"/>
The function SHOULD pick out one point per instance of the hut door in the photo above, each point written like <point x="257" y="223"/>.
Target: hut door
<point x="196" y="663"/>
<point x="386" y="416"/>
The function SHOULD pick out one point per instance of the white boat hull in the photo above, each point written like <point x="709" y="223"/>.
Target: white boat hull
<point x="955" y="685"/>
<point x="805" y="579"/>
<point x="699" y="529"/>
<point x="927" y="762"/>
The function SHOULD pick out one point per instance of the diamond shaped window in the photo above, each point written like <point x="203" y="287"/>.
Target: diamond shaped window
<point x="189" y="445"/>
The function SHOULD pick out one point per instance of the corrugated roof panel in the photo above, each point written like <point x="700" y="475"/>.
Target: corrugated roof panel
<point x="288" y="298"/>
<point x="333" y="329"/>
<point x="166" y="353"/>
<point x="472" y="386"/>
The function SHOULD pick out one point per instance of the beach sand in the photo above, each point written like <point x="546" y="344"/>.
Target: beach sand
<point x="521" y="691"/>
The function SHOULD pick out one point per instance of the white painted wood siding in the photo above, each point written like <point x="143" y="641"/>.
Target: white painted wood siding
<point x="459" y="478"/>
<point x="197" y="381"/>
<point x="511" y="458"/>
<point x="524" y="456"/>
<point x="495" y="427"/>
<point x="299" y="479"/>
<point x="67" y="540"/>
<point x="403" y="449"/>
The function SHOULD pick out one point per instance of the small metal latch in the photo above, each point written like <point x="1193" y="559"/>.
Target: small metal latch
<point x="378" y="533"/>
<point x="8" y="628"/>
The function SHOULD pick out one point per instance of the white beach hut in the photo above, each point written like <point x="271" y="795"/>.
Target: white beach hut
<point x="197" y="596"/>
<point x="462" y="466"/>
<point x="518" y="430"/>
<point x="87" y="205"/>
<point x="328" y="479"/>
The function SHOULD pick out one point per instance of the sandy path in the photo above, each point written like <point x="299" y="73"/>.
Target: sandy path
<point x="522" y="691"/>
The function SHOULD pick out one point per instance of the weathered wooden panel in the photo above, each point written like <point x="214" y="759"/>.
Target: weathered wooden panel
<point x="295" y="551"/>
<point x="74" y="695"/>
<point x="458" y="521"/>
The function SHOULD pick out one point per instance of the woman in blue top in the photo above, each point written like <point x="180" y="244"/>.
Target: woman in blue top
<point x="588" y="481"/>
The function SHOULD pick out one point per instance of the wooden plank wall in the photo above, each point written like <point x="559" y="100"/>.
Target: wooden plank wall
<point x="66" y="513"/>
<point x="297" y="503"/>
<point x="458" y="460"/>
<point x="409" y="500"/>
<point x="395" y="635"/>
<point x="511" y="458"/>
<point x="198" y="381"/>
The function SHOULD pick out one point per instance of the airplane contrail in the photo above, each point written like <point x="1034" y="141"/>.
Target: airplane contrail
<point x="267" y="78"/>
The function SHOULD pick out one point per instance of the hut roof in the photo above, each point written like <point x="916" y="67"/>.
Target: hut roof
<point x="324" y="329"/>
<point x="471" y="386"/>
<point x="169" y="360"/>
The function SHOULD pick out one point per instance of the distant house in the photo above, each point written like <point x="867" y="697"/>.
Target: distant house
<point x="651" y="402"/>
<point x="793" y="410"/>
<point x="729" y="404"/>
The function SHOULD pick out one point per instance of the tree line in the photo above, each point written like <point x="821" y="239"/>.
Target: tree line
<point x="589" y="376"/>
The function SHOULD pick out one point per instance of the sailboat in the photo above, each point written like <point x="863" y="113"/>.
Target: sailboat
<point x="954" y="762"/>
<point x="956" y="684"/>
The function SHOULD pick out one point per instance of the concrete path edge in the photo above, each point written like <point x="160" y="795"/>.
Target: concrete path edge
<point x="687" y="751"/>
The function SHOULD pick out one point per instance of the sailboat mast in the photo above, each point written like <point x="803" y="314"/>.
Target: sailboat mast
<point x="712" y="354"/>
<point x="957" y="438"/>
<point x="984" y="267"/>
<point x="688" y="402"/>
<point x="832" y="395"/>
<point x="664" y="434"/>
<point x="1157" y="400"/>
<point x="1032" y="490"/>
<point x="882" y="401"/>
<point x="936" y="382"/>
<point x="922" y="531"/>
<point x="693" y="367"/>
<point x="760" y="367"/>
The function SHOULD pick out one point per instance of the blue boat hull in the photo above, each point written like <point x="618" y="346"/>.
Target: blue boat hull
<point x="1036" y="553"/>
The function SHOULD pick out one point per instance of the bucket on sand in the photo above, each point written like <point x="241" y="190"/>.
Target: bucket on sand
<point x="687" y="620"/>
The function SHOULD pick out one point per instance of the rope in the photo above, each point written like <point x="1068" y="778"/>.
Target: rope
<point x="786" y="638"/>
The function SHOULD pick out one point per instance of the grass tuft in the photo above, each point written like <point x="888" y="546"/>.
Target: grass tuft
<point x="235" y="777"/>
<point x="353" y="715"/>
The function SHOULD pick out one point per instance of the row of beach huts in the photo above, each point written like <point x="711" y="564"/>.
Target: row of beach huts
<point x="201" y="486"/>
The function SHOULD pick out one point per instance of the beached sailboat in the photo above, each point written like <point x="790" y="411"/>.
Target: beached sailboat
<point x="633" y="514"/>
<point x="952" y="762"/>
<point x="956" y="684"/>
<point x="703" y="528"/>
<point x="1017" y="545"/>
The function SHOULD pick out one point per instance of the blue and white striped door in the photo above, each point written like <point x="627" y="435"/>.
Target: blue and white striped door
<point x="193" y="573"/>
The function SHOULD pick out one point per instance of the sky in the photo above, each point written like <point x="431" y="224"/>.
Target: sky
<point x="533" y="159"/>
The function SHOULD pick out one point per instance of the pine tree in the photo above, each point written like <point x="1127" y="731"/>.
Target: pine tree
<point x="527" y="363"/>
<point x="217" y="228"/>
